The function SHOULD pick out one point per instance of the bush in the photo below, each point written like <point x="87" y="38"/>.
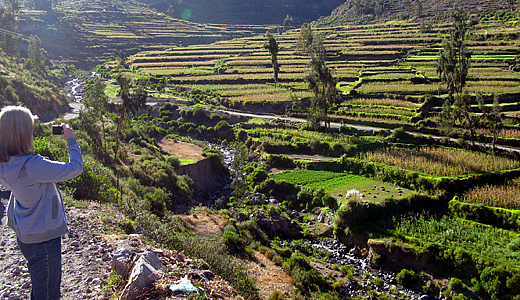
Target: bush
<point x="256" y="176"/>
<point x="51" y="147"/>
<point x="96" y="182"/>
<point x="406" y="277"/>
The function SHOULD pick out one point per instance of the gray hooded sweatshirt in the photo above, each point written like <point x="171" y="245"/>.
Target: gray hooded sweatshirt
<point x="35" y="210"/>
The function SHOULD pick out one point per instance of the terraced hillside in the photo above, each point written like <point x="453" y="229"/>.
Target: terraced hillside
<point x="246" y="12"/>
<point x="387" y="72"/>
<point x="359" y="11"/>
<point x="92" y="30"/>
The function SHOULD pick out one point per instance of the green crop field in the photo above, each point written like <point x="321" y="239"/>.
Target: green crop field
<point x="338" y="184"/>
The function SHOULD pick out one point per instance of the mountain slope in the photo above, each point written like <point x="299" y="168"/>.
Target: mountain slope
<point x="378" y="10"/>
<point x="247" y="12"/>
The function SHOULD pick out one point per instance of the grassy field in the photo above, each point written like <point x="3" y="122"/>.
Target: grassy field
<point x="338" y="184"/>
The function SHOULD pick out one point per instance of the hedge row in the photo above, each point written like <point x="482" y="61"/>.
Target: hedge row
<point x="497" y="217"/>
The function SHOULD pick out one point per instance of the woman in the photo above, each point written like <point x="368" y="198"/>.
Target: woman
<point x="35" y="210"/>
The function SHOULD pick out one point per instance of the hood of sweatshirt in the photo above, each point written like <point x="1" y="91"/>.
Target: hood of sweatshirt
<point x="9" y="170"/>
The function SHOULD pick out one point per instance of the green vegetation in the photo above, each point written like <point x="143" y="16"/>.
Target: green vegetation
<point x="339" y="184"/>
<point x="416" y="193"/>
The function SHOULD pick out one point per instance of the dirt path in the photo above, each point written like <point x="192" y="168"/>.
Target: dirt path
<point x="86" y="256"/>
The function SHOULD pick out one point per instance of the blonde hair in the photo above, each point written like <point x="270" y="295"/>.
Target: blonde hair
<point x="16" y="132"/>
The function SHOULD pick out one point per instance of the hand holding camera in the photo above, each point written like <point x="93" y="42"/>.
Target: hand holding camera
<point x="64" y="130"/>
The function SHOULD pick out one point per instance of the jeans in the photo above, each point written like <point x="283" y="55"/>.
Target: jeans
<point x="44" y="264"/>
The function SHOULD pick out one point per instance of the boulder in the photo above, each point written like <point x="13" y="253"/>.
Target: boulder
<point x="278" y="226"/>
<point x="147" y="269"/>
<point x="121" y="260"/>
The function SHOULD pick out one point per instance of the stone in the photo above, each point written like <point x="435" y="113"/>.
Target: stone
<point x="242" y="217"/>
<point x="26" y="284"/>
<point x="208" y="274"/>
<point x="121" y="261"/>
<point x="147" y="269"/>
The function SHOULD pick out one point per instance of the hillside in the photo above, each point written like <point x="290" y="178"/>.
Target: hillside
<point x="41" y="93"/>
<point x="87" y="32"/>
<point x="379" y="10"/>
<point x="247" y="12"/>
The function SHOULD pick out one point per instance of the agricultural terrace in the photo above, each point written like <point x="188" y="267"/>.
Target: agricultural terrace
<point x="440" y="161"/>
<point x="505" y="195"/>
<point x="133" y="26"/>
<point x="493" y="243"/>
<point x="338" y="184"/>
<point x="388" y="69"/>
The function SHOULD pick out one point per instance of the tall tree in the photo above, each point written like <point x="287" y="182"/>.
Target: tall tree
<point x="170" y="11"/>
<point x="453" y="66"/>
<point x="97" y="101"/>
<point x="36" y="60"/>
<point x="492" y="118"/>
<point x="322" y="84"/>
<point x="454" y="58"/>
<point x="287" y="23"/>
<point x="305" y="38"/>
<point x="272" y="46"/>
<point x="133" y="98"/>
<point x="8" y="22"/>
<point x="238" y="166"/>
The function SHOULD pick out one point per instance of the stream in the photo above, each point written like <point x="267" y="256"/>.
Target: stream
<point x="363" y="276"/>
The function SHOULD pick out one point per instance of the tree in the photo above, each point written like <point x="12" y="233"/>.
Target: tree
<point x="305" y="38"/>
<point x="36" y="60"/>
<point x="453" y="65"/>
<point x="97" y="101"/>
<point x="492" y="118"/>
<point x="132" y="99"/>
<point x="287" y="23"/>
<point x="9" y="36"/>
<point x="379" y="8"/>
<point x="272" y="46"/>
<point x="238" y="166"/>
<point x="454" y="58"/>
<point x="322" y="84"/>
<point x="418" y="8"/>
<point x="170" y="11"/>
<point x="463" y="113"/>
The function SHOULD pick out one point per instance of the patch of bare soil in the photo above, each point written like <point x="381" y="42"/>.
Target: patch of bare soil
<point x="206" y="225"/>
<point x="311" y="157"/>
<point x="180" y="149"/>
<point x="267" y="275"/>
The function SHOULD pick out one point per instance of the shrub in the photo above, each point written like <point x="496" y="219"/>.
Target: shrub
<point x="51" y="147"/>
<point x="406" y="277"/>
<point x="276" y="295"/>
<point x="96" y="182"/>
<point x="256" y="176"/>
